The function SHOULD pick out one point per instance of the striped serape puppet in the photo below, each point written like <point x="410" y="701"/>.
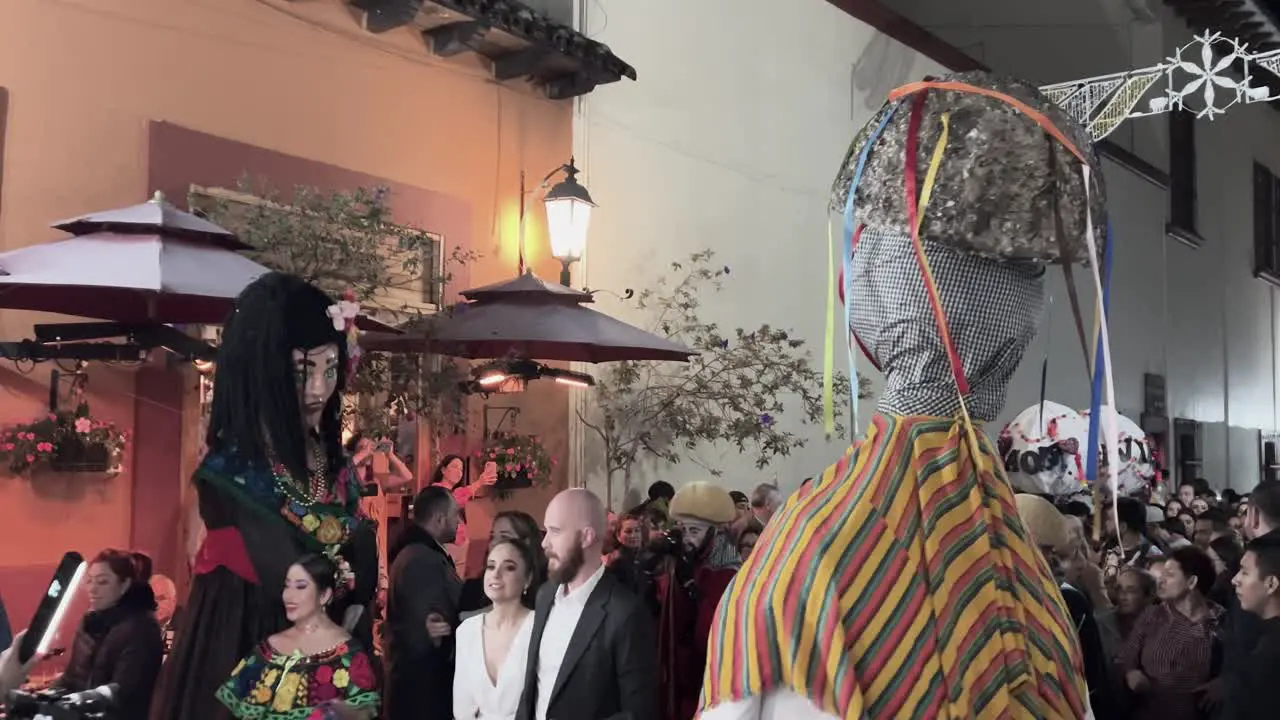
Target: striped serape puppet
<point x="902" y="583"/>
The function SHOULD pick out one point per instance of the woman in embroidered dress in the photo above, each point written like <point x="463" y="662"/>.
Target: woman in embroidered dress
<point x="312" y="670"/>
<point x="493" y="646"/>
<point x="275" y="484"/>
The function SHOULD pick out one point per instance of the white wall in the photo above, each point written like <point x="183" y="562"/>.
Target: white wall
<point x="1196" y="315"/>
<point x="729" y="140"/>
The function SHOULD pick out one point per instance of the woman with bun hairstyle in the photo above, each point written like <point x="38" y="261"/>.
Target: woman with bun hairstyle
<point x="312" y="669"/>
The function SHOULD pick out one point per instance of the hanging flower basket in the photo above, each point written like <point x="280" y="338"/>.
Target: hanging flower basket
<point x="521" y="459"/>
<point x="64" y="441"/>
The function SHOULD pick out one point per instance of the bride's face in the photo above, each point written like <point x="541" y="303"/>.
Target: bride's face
<point x="316" y="373"/>
<point x="505" y="576"/>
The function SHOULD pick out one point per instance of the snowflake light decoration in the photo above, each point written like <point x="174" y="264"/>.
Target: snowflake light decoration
<point x="1102" y="103"/>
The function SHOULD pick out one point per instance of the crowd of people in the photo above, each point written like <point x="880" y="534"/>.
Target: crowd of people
<point x="587" y="614"/>
<point x="1176" y="604"/>
<point x="297" y="610"/>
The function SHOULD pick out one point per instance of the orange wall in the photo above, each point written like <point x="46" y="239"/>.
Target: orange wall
<point x="85" y="80"/>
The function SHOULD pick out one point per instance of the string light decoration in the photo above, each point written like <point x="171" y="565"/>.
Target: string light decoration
<point x="1197" y="71"/>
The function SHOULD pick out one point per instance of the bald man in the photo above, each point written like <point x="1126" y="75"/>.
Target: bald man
<point x="593" y="651"/>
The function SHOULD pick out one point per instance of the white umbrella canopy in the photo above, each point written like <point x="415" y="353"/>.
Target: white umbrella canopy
<point x="144" y="264"/>
<point x="126" y="278"/>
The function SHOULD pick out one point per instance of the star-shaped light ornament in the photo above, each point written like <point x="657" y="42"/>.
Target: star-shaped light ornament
<point x="1102" y="103"/>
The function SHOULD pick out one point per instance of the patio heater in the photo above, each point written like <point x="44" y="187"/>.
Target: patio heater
<point x="568" y="215"/>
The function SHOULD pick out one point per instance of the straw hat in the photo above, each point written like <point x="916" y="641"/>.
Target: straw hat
<point x="1044" y="523"/>
<point x="704" y="501"/>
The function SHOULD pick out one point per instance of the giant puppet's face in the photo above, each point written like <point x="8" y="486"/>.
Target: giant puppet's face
<point x="316" y="374"/>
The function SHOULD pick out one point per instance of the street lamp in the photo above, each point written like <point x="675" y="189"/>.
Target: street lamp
<point x="568" y="215"/>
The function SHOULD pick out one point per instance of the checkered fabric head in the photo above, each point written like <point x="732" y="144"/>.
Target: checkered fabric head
<point x="992" y="308"/>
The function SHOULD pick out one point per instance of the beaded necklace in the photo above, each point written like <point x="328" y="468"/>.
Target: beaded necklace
<point x="317" y="490"/>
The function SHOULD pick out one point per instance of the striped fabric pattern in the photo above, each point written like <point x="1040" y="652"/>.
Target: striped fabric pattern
<point x="901" y="584"/>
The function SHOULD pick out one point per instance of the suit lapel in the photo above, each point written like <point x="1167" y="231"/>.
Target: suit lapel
<point x="546" y="597"/>
<point x="592" y="616"/>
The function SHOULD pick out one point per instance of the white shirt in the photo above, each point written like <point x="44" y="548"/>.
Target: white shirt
<point x="785" y="705"/>
<point x="562" y="620"/>
<point x="475" y="695"/>
<point x="775" y="705"/>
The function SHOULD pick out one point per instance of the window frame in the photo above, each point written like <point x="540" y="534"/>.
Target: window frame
<point x="1184" y="212"/>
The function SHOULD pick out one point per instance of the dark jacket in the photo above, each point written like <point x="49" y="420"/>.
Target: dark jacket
<point x="120" y="645"/>
<point x="1241" y="634"/>
<point x="610" y="669"/>
<point x="1254" y="687"/>
<point x="423" y="580"/>
<point x="1103" y="695"/>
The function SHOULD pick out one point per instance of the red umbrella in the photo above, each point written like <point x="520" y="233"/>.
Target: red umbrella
<point x="529" y="318"/>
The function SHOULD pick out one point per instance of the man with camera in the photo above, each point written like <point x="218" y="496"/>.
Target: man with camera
<point x="694" y="562"/>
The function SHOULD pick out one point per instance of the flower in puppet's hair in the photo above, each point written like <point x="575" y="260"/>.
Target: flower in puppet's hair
<point x="343" y="312"/>
<point x="84" y="425"/>
<point x="766" y="420"/>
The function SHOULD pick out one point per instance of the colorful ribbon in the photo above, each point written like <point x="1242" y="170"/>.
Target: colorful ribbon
<point x="846" y="264"/>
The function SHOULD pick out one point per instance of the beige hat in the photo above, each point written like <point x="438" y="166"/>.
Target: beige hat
<point x="1044" y="523"/>
<point x="704" y="501"/>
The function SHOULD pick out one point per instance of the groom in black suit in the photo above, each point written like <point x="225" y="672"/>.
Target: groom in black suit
<point x="593" y="654"/>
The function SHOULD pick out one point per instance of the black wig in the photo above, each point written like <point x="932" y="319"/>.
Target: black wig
<point x="255" y="398"/>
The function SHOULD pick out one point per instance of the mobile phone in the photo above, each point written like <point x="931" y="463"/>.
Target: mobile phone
<point x="53" y="606"/>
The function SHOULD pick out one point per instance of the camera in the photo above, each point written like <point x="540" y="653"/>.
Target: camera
<point x="670" y="542"/>
<point x="60" y="705"/>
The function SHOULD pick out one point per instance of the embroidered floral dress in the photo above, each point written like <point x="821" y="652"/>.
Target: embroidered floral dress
<point x="270" y="685"/>
<point x="258" y="523"/>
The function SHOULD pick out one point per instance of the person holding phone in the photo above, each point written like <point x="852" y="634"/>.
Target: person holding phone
<point x="451" y="474"/>
<point x="13" y="672"/>
<point x="363" y="449"/>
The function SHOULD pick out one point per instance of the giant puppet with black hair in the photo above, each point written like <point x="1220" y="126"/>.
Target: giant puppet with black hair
<point x="274" y="485"/>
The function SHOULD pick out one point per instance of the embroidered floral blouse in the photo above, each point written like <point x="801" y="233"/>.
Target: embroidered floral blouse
<point x="269" y="685"/>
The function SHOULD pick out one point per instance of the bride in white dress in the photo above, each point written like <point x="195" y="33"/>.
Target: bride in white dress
<point x="493" y="647"/>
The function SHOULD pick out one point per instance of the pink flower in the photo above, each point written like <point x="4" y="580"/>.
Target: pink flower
<point x="44" y="447"/>
<point x="84" y="425"/>
<point x="31" y="458"/>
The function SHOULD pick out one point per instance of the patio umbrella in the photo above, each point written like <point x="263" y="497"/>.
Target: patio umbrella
<point x="149" y="263"/>
<point x="529" y="318"/>
<point x="156" y="216"/>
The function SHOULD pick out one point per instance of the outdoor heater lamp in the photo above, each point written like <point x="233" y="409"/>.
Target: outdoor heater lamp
<point x="568" y="216"/>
